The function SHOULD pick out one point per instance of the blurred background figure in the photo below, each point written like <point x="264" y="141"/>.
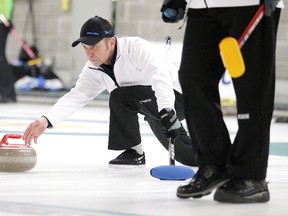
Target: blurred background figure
<point x="7" y="91"/>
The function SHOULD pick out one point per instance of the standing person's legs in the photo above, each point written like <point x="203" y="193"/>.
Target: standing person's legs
<point x="7" y="91"/>
<point x="248" y="159"/>
<point x="255" y="99"/>
<point x="200" y="71"/>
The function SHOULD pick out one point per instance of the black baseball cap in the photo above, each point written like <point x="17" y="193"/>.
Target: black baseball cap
<point x="94" y="30"/>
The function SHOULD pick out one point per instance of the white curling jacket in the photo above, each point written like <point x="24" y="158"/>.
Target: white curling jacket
<point x="224" y="3"/>
<point x="135" y="64"/>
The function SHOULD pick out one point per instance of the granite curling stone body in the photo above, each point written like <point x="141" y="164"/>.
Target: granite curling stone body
<point x="16" y="157"/>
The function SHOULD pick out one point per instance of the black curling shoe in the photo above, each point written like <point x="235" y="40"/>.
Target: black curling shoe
<point x="243" y="191"/>
<point x="204" y="182"/>
<point x="129" y="158"/>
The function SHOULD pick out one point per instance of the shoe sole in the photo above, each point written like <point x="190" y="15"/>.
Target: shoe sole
<point x="224" y="197"/>
<point x="201" y="193"/>
<point x="126" y="166"/>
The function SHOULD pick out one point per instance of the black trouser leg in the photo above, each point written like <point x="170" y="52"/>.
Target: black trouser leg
<point x="200" y="71"/>
<point x="249" y="153"/>
<point x="7" y="90"/>
<point x="124" y="130"/>
<point x="125" y="104"/>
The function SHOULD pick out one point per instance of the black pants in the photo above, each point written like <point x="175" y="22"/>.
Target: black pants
<point x="125" y="104"/>
<point x="7" y="90"/>
<point x="200" y="71"/>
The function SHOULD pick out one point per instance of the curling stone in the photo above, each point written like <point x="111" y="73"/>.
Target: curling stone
<point x="16" y="157"/>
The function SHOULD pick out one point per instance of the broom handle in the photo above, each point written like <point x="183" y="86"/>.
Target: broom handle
<point x="171" y="142"/>
<point x="171" y="146"/>
<point x="18" y="38"/>
<point x="251" y="26"/>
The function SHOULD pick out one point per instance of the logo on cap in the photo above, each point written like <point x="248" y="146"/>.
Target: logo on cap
<point x="92" y="33"/>
<point x="107" y="32"/>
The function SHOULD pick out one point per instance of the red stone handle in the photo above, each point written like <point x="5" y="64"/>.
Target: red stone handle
<point x="5" y="138"/>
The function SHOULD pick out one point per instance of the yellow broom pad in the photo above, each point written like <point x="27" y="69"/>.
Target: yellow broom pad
<point x="232" y="57"/>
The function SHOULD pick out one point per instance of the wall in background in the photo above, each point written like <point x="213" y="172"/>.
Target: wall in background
<point x="57" y="27"/>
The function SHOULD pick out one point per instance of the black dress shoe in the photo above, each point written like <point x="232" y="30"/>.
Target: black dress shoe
<point x="243" y="191"/>
<point x="204" y="182"/>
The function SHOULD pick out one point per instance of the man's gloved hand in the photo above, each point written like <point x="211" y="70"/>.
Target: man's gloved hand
<point x="173" y="10"/>
<point x="170" y="121"/>
<point x="270" y="6"/>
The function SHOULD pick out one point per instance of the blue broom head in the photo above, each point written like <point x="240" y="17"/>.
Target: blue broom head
<point x="172" y="172"/>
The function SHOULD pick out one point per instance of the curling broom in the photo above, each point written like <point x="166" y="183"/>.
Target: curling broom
<point x="34" y="60"/>
<point x="172" y="172"/>
<point x="230" y="47"/>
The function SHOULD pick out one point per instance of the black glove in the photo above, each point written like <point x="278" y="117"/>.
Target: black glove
<point x="170" y="122"/>
<point x="270" y="6"/>
<point x="173" y="10"/>
<point x="10" y="26"/>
